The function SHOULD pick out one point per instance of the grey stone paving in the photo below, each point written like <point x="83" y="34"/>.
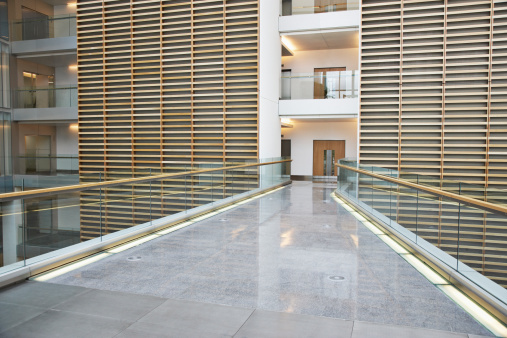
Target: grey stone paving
<point x="82" y="312"/>
<point x="259" y="270"/>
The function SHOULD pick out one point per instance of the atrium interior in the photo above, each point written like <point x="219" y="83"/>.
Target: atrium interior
<point x="253" y="168"/>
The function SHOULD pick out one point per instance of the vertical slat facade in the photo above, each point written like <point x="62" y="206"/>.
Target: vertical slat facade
<point x="433" y="102"/>
<point x="164" y="86"/>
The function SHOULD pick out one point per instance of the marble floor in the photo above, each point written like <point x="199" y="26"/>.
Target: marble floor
<point x="293" y="252"/>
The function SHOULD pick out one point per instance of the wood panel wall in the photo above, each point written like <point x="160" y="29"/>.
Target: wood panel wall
<point x="433" y="85"/>
<point x="164" y="85"/>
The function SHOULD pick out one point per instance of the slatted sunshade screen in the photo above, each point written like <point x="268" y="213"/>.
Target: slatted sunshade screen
<point x="433" y="101"/>
<point x="164" y="86"/>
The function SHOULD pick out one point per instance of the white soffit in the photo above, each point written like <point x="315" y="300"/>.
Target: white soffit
<point x="324" y="40"/>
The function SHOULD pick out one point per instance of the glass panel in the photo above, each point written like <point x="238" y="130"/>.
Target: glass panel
<point x="35" y="25"/>
<point x="11" y="234"/>
<point x="33" y="229"/>
<point x="465" y="238"/>
<point x="4" y="23"/>
<point x="296" y="7"/>
<point x="5" y="93"/>
<point x="45" y="97"/>
<point x="329" y="161"/>
<point x="320" y="85"/>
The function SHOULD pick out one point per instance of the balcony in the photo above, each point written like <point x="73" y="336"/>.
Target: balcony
<point x="320" y="93"/>
<point x="48" y="34"/>
<point x="46" y="104"/>
<point x="298" y="7"/>
<point x="46" y="165"/>
<point x="298" y="16"/>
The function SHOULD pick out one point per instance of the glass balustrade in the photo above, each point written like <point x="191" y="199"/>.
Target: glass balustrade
<point x="46" y="97"/>
<point x="295" y="7"/>
<point x="44" y="28"/>
<point x="46" y="165"/>
<point x="42" y="227"/>
<point x="468" y="237"/>
<point x="330" y="85"/>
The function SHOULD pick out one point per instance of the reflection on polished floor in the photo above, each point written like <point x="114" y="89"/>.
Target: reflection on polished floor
<point x="294" y="251"/>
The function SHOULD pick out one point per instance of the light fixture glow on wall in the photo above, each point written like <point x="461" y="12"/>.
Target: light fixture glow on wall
<point x="73" y="67"/>
<point x="73" y="127"/>
<point x="288" y="44"/>
<point x="286" y="123"/>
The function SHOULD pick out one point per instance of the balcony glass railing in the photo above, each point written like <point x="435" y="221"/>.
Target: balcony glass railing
<point x="330" y="85"/>
<point x="461" y="225"/>
<point x="46" y="97"/>
<point x="295" y="7"/>
<point x="44" y="28"/>
<point x="46" y="165"/>
<point x="44" y="224"/>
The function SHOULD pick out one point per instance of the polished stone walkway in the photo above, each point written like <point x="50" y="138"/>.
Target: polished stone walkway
<point x="260" y="270"/>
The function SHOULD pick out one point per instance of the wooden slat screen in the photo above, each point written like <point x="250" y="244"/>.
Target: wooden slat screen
<point x="163" y="86"/>
<point x="433" y="102"/>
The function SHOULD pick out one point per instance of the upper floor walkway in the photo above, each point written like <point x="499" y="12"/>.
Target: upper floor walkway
<point x="290" y="263"/>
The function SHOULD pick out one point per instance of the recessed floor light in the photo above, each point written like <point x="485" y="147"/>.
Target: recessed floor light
<point x="336" y="278"/>
<point x="134" y="258"/>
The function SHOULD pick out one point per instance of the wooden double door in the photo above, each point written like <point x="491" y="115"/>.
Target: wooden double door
<point x="325" y="154"/>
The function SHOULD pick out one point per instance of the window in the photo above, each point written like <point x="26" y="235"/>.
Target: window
<point x="5" y="96"/>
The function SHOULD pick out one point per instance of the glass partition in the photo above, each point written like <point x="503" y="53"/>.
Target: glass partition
<point x="295" y="7"/>
<point x="467" y="238"/>
<point x="43" y="27"/>
<point x="46" y="97"/>
<point x="320" y="85"/>
<point x="36" y="164"/>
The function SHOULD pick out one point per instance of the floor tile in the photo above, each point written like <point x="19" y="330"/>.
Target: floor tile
<point x="56" y="324"/>
<point x="191" y="319"/>
<point x="277" y="253"/>
<point x="13" y="314"/>
<point x="38" y="294"/>
<point x="117" y="305"/>
<point x="376" y="330"/>
<point x="269" y="324"/>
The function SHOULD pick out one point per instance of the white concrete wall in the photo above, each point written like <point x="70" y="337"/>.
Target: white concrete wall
<point x="64" y="10"/>
<point x="65" y="27"/>
<point x="303" y="134"/>
<point x="269" y="81"/>
<point x="67" y="144"/>
<point x="67" y="140"/>
<point x="65" y="76"/>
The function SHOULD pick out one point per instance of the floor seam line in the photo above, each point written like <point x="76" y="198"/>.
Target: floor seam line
<point x="244" y="322"/>
<point x="70" y="298"/>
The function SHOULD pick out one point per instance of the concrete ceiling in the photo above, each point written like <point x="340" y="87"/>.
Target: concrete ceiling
<point x="52" y="60"/>
<point x="324" y="40"/>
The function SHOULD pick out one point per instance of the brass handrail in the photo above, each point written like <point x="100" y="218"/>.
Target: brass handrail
<point x="491" y="207"/>
<point x="86" y="186"/>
